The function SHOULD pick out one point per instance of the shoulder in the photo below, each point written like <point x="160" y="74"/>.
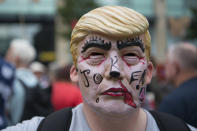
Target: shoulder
<point x="170" y="122"/>
<point x="192" y="128"/>
<point x="27" y="77"/>
<point x="28" y="125"/>
<point x="57" y="121"/>
<point x="174" y="98"/>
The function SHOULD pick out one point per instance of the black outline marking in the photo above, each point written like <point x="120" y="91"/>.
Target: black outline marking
<point x="97" y="100"/>
<point x="137" y="87"/>
<point x="142" y="79"/>
<point x="113" y="63"/>
<point x="133" y="76"/>
<point x="86" y="83"/>
<point x="114" y="73"/>
<point x="95" y="42"/>
<point x="97" y="78"/>
<point x="130" y="42"/>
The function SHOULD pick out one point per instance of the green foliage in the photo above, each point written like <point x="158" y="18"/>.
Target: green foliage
<point x="192" y="30"/>
<point x="72" y="10"/>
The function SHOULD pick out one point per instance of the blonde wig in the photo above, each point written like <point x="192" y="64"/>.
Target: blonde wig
<point x="111" y="21"/>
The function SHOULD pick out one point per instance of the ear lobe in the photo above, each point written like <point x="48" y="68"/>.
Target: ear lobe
<point x="149" y="72"/>
<point x="73" y="74"/>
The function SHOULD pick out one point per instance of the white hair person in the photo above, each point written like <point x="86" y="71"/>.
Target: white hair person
<point x="21" y="52"/>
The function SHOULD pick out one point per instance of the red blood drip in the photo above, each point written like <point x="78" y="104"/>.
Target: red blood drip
<point x="128" y="99"/>
<point x="142" y="59"/>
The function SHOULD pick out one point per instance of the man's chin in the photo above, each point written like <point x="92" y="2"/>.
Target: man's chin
<point x="113" y="109"/>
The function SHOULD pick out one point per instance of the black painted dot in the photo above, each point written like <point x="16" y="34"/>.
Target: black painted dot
<point x="97" y="100"/>
<point x="137" y="87"/>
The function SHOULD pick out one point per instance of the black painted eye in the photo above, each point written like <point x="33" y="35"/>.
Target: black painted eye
<point x="131" y="58"/>
<point x="130" y="54"/>
<point x="96" y="58"/>
<point x="95" y="54"/>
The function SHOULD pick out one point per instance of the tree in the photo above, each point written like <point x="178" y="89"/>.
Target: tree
<point x="192" y="30"/>
<point x="72" y="10"/>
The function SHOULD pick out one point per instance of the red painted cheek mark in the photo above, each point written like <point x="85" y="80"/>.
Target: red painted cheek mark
<point x="101" y="62"/>
<point x="83" y="59"/>
<point x="126" y="62"/>
<point x="142" y="59"/>
<point x="142" y="95"/>
<point x="128" y="99"/>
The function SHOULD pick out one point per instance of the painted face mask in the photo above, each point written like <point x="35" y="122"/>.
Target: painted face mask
<point x="111" y="73"/>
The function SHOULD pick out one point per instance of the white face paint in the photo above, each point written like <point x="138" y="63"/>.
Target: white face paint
<point x="112" y="76"/>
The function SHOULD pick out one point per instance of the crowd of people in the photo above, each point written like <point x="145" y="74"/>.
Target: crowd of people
<point x="106" y="85"/>
<point x="28" y="88"/>
<point x="181" y="72"/>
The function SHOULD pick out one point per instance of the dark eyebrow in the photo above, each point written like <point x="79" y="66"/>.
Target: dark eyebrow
<point x="96" y="43"/>
<point x="132" y="42"/>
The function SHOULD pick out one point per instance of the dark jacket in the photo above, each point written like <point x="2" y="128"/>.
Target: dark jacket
<point x="182" y="102"/>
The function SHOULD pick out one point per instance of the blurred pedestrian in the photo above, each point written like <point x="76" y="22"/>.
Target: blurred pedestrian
<point x="7" y="74"/>
<point x="39" y="71"/>
<point x="181" y="71"/>
<point x="42" y="95"/>
<point x="64" y="92"/>
<point x="158" y="84"/>
<point x="20" y="53"/>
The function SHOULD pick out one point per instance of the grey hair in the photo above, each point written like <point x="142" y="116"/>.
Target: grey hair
<point x="23" y="50"/>
<point x="185" y="54"/>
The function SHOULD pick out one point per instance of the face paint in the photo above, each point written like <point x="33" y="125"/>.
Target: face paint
<point x="85" y="72"/>
<point x="130" y="42"/>
<point x="115" y="74"/>
<point x="137" y="87"/>
<point x="142" y="79"/>
<point x="95" y="42"/>
<point x="97" y="100"/>
<point x="97" y="78"/>
<point x="134" y="75"/>
<point x="142" y="94"/>
<point x="143" y="60"/>
<point x="128" y="99"/>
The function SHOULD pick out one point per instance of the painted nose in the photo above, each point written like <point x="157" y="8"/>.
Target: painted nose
<point x="115" y="69"/>
<point x="115" y="74"/>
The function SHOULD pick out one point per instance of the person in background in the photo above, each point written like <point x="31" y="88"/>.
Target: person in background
<point x="20" y="53"/>
<point x="158" y="87"/>
<point x="7" y="74"/>
<point x="42" y="95"/>
<point x="181" y="72"/>
<point x="64" y="92"/>
<point x="111" y="47"/>
<point x="39" y="71"/>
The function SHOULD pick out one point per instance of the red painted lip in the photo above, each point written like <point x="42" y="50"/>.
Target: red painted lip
<point x="128" y="99"/>
<point x="115" y="92"/>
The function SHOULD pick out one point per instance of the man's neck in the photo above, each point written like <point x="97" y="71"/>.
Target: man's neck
<point x="184" y="76"/>
<point x="135" y="121"/>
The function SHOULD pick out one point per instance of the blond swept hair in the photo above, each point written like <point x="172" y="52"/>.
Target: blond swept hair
<point x="111" y="21"/>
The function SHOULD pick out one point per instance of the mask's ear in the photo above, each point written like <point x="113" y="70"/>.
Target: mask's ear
<point x="149" y="72"/>
<point x="73" y="74"/>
